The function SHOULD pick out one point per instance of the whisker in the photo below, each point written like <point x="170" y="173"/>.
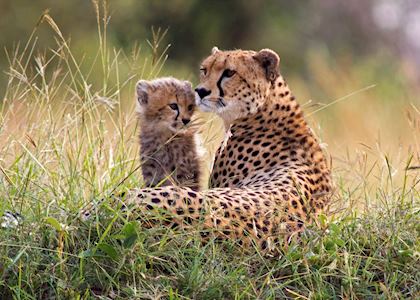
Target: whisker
<point x="213" y="99"/>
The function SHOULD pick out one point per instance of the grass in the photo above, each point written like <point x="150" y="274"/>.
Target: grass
<point x="67" y="135"/>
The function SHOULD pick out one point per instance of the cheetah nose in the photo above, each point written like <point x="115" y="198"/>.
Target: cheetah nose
<point x="202" y="92"/>
<point x="186" y="121"/>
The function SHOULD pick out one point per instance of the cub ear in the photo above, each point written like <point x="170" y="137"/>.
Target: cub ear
<point x="141" y="92"/>
<point x="214" y="50"/>
<point x="188" y="85"/>
<point x="269" y="61"/>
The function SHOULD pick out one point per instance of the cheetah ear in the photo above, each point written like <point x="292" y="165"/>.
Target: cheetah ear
<point x="141" y="92"/>
<point x="269" y="61"/>
<point x="214" y="50"/>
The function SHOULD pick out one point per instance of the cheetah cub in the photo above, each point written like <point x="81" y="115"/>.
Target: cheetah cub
<point x="168" y="148"/>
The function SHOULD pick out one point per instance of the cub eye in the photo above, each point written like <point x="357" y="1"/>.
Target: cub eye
<point x="173" y="106"/>
<point x="190" y="107"/>
<point x="203" y="71"/>
<point x="228" y="73"/>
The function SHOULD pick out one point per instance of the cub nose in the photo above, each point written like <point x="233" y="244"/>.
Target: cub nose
<point x="202" y="92"/>
<point x="186" y="121"/>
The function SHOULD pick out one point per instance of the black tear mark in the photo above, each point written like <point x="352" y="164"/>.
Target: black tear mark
<point x="219" y="85"/>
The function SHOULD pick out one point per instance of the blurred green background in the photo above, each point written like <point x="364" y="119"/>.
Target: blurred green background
<point x="356" y="28"/>
<point x="331" y="51"/>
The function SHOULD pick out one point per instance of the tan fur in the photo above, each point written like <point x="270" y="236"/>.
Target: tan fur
<point x="270" y="177"/>
<point x="168" y="147"/>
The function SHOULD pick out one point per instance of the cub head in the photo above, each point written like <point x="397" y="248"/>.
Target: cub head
<point x="165" y="103"/>
<point x="234" y="84"/>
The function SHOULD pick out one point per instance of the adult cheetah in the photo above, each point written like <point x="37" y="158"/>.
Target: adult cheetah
<point x="270" y="177"/>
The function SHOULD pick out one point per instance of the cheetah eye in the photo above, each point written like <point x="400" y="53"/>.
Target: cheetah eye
<point x="203" y="71"/>
<point x="190" y="107"/>
<point x="228" y="73"/>
<point x="173" y="106"/>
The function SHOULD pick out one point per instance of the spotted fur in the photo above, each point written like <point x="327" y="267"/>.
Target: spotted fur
<point x="270" y="177"/>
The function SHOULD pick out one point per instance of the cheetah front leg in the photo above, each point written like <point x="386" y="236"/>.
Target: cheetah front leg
<point x="243" y="215"/>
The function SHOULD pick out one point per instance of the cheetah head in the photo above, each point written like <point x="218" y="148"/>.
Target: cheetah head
<point x="234" y="84"/>
<point x="166" y="103"/>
